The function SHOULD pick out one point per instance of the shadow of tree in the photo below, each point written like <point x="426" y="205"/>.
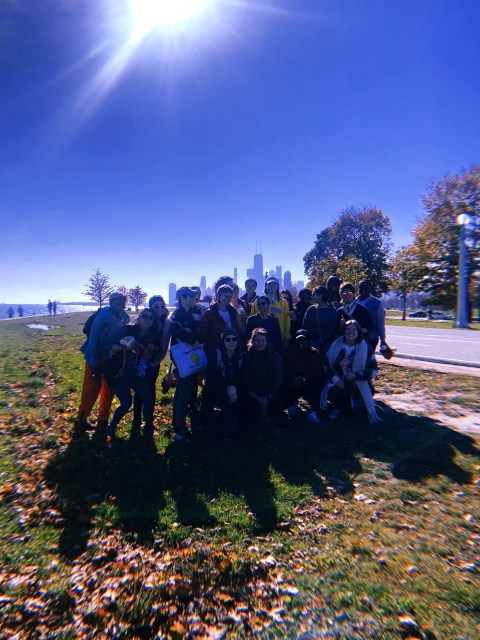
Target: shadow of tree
<point x="136" y="481"/>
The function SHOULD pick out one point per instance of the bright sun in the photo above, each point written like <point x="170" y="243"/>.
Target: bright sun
<point x="149" y="14"/>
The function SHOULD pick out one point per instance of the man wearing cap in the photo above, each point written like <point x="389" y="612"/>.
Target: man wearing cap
<point x="96" y="351"/>
<point x="302" y="376"/>
<point x="184" y="328"/>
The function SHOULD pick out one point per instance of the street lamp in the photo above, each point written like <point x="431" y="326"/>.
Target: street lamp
<point x="462" y="296"/>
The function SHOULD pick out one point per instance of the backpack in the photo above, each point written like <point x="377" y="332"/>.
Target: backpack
<point x="87" y="327"/>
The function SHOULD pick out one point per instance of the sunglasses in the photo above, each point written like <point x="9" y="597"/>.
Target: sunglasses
<point x="262" y="304"/>
<point x="230" y="340"/>
<point x="158" y="306"/>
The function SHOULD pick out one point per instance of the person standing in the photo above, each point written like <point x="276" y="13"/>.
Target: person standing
<point x="333" y="285"/>
<point x="184" y="328"/>
<point x="161" y="330"/>
<point x="49" y="307"/>
<point x="218" y="317"/>
<point x="96" y="350"/>
<point x="377" y="313"/>
<point x="250" y="294"/>
<point x="352" y="310"/>
<point x="278" y="307"/>
<point x="20" y="311"/>
<point x="264" y="319"/>
<point x="320" y="321"/>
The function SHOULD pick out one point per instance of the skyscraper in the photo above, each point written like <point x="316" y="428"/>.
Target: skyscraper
<point x="287" y="281"/>
<point x="172" y="294"/>
<point x="235" y="275"/>
<point x="278" y="274"/>
<point x="203" y="283"/>
<point x="257" y="271"/>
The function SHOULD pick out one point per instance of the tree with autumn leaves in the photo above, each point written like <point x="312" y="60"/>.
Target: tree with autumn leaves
<point x="430" y="263"/>
<point x="356" y="246"/>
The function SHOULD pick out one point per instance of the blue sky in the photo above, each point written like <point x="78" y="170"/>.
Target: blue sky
<point x="253" y="121"/>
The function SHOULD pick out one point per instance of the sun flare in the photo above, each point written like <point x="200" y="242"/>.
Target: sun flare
<point x="150" y="14"/>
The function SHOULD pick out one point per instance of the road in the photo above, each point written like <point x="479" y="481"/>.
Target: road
<point x="445" y="345"/>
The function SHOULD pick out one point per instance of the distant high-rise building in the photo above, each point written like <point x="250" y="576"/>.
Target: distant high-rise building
<point x="235" y="275"/>
<point x="278" y="274"/>
<point x="172" y="294"/>
<point x="300" y="284"/>
<point x="272" y="273"/>
<point x="287" y="281"/>
<point x="203" y="283"/>
<point x="257" y="271"/>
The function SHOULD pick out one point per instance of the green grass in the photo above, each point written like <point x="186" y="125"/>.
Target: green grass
<point x="293" y="529"/>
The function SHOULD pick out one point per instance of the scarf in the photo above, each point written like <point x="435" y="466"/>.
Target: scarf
<point x="359" y="362"/>
<point x="350" y="308"/>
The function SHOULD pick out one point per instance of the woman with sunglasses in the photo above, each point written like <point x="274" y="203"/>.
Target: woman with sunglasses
<point x="278" y="307"/>
<point x="265" y="320"/>
<point x="131" y="369"/>
<point x="224" y="383"/>
<point x="161" y="327"/>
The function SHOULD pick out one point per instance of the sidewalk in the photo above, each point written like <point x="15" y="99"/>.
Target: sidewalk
<point x="430" y="364"/>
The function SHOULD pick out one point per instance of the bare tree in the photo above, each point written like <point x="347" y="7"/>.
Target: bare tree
<point x="136" y="296"/>
<point x="98" y="287"/>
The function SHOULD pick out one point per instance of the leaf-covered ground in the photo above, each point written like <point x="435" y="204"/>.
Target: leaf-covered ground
<point x="297" y="531"/>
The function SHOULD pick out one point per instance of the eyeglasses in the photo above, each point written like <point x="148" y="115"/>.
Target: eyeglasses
<point x="262" y="304"/>
<point x="230" y="340"/>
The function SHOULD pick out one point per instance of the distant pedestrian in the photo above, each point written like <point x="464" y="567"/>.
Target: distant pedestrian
<point x="20" y="311"/>
<point x="49" y="307"/>
<point x="54" y="307"/>
<point x="10" y="312"/>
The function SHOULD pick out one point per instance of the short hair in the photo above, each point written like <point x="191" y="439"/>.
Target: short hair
<point x="248" y="280"/>
<point x="222" y="280"/>
<point x="347" y="285"/>
<point x="266" y="298"/>
<point x="322" y="293"/>
<point x="224" y="288"/>
<point x="304" y="291"/>
<point x="196" y="288"/>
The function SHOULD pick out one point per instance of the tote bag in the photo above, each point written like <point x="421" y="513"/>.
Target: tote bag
<point x="187" y="359"/>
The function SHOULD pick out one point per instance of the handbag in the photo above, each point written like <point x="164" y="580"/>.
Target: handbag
<point x="187" y="359"/>
<point x="169" y="381"/>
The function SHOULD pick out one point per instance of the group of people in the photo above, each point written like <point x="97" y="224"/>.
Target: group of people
<point x="263" y="354"/>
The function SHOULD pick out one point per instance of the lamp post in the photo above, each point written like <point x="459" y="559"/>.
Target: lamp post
<point x="462" y="295"/>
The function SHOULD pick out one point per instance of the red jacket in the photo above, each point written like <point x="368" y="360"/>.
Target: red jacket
<point x="212" y="325"/>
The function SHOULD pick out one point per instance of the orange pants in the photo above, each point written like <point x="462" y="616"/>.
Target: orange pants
<point x="90" y="391"/>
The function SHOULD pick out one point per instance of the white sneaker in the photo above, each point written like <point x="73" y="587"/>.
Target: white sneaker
<point x="293" y="409"/>
<point x="313" y="418"/>
<point x="335" y="414"/>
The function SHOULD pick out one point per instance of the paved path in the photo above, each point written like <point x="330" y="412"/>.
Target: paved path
<point x="450" y="346"/>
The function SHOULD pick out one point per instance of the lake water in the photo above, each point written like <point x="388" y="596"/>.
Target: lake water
<point x="30" y="310"/>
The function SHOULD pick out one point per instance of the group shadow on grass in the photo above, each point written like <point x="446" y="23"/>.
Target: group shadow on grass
<point x="138" y="490"/>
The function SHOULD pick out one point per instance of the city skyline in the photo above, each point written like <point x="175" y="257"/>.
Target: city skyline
<point x="160" y="157"/>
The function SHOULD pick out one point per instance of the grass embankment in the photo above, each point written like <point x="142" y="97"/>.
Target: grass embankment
<point x="335" y="529"/>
